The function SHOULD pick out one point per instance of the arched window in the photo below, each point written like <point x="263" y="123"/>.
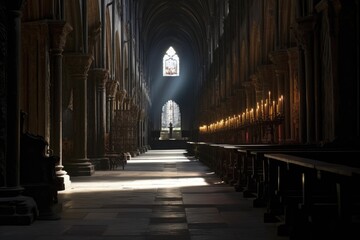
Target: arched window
<point x="171" y="63"/>
<point x="170" y="121"/>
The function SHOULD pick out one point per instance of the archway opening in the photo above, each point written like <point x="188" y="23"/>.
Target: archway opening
<point x="170" y="121"/>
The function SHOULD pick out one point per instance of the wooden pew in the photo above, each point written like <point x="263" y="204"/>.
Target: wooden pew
<point x="220" y="158"/>
<point x="250" y="170"/>
<point x="233" y="163"/>
<point x="317" y="190"/>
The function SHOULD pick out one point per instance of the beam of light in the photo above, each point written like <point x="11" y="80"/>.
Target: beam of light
<point x="101" y="186"/>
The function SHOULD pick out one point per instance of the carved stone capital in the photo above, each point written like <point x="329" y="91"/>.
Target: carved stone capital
<point x="111" y="88"/>
<point x="77" y="63"/>
<point x="280" y="59"/>
<point x="58" y="33"/>
<point x="302" y="29"/>
<point x="100" y="76"/>
<point x="120" y="95"/>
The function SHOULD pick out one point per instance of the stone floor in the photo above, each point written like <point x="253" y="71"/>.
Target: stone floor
<point x="161" y="194"/>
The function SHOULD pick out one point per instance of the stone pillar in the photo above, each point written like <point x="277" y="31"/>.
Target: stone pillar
<point x="14" y="208"/>
<point x="92" y="108"/>
<point x="134" y="109"/>
<point x="294" y="92"/>
<point x="304" y="35"/>
<point x="58" y="34"/>
<point x="302" y="101"/>
<point x="111" y="89"/>
<point x="78" y="67"/>
<point x="97" y="119"/>
<point x="281" y="66"/>
<point x="102" y="77"/>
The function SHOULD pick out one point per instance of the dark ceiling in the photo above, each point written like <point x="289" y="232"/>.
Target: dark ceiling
<point x="182" y="24"/>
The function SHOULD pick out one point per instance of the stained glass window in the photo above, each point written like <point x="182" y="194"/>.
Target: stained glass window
<point x="170" y="121"/>
<point x="171" y="114"/>
<point x="171" y="63"/>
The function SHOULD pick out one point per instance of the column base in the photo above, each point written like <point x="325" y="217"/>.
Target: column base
<point x="16" y="209"/>
<point x="63" y="182"/>
<point x="80" y="167"/>
<point x="62" y="178"/>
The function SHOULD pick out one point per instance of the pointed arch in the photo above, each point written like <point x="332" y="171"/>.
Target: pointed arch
<point x="171" y="63"/>
<point x="170" y="120"/>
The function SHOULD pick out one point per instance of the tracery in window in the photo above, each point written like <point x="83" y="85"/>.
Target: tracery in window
<point x="170" y="121"/>
<point x="171" y="63"/>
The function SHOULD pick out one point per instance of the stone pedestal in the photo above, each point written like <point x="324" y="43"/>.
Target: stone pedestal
<point x="16" y="209"/>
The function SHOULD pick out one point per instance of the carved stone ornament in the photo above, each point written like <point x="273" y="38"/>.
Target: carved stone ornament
<point x="120" y="96"/>
<point x="78" y="63"/>
<point x="303" y="28"/>
<point x="112" y="87"/>
<point x="58" y="33"/>
<point x="100" y="75"/>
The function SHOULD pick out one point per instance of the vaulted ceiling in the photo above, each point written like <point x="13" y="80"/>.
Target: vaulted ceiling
<point x="182" y="24"/>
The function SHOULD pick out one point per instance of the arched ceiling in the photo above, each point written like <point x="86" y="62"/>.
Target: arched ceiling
<point x="182" y="24"/>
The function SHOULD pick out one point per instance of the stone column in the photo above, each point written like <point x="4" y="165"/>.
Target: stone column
<point x="78" y="67"/>
<point x="111" y="89"/>
<point x="58" y="34"/>
<point x="102" y="77"/>
<point x="134" y="109"/>
<point x="14" y="208"/>
<point x="92" y="108"/>
<point x="304" y="35"/>
<point x="281" y="66"/>
<point x="294" y="92"/>
<point x="98" y="117"/>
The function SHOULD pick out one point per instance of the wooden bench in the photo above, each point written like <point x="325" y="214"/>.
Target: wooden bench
<point x="315" y="190"/>
<point x="249" y="171"/>
<point x="220" y="158"/>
